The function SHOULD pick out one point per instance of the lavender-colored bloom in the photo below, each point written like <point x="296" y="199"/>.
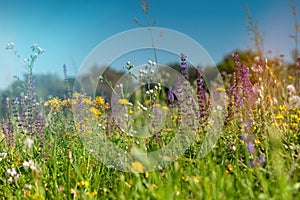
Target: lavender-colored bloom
<point x="202" y="99"/>
<point x="244" y="137"/>
<point x="252" y="162"/>
<point x="183" y="66"/>
<point x="261" y="159"/>
<point x="250" y="147"/>
<point x="10" y="127"/>
<point x="170" y="95"/>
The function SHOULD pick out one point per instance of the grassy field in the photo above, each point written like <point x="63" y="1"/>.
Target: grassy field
<point x="51" y="150"/>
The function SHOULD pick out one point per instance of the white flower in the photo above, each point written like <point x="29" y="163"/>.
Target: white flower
<point x="257" y="59"/>
<point x="290" y="90"/>
<point x="29" y="164"/>
<point x="150" y="62"/>
<point x="28" y="142"/>
<point x="233" y="148"/>
<point x="11" y="172"/>
<point x="294" y="101"/>
<point x="3" y="156"/>
<point x="128" y="63"/>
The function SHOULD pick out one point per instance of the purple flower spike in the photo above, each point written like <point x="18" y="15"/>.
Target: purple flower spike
<point x="183" y="66"/>
<point x="170" y="95"/>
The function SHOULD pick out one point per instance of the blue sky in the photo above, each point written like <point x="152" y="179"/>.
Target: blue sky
<point x="69" y="30"/>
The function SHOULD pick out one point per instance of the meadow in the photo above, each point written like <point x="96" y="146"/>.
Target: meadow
<point x="60" y="148"/>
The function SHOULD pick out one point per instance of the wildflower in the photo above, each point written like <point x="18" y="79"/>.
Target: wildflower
<point x="185" y="178"/>
<point x="279" y="116"/>
<point x="283" y="107"/>
<point x="196" y="180"/>
<point x="153" y="187"/>
<point x="294" y="101"/>
<point x="28" y="142"/>
<point x="261" y="159"/>
<point x="37" y="49"/>
<point x="94" y="193"/>
<point x="94" y="111"/>
<point x="233" y="148"/>
<point x="165" y="108"/>
<point x="183" y="66"/>
<point x="201" y="95"/>
<point x="250" y="147"/>
<point x="230" y="168"/>
<point x="11" y="172"/>
<point x="137" y="167"/>
<point x="29" y="164"/>
<point x="83" y="184"/>
<point x="221" y="89"/>
<point x="124" y="102"/>
<point x="12" y="175"/>
<point x="252" y="162"/>
<point x="170" y="95"/>
<point x="99" y="100"/>
<point x="291" y="90"/>
<point x="243" y="137"/>
<point x="2" y="156"/>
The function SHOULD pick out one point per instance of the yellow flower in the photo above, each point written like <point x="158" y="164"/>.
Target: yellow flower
<point x="293" y="116"/>
<point x="137" y="167"/>
<point x="279" y="116"/>
<point x="196" y="180"/>
<point x="290" y="77"/>
<point x="165" y="108"/>
<point x="175" y="117"/>
<point x="130" y="112"/>
<point x="94" y="193"/>
<point x="146" y="175"/>
<point x="278" y="84"/>
<point x="147" y="102"/>
<point x="94" y="111"/>
<point x="54" y="103"/>
<point x="257" y="141"/>
<point x="124" y="102"/>
<point x="294" y="124"/>
<point x="87" y="101"/>
<point x="283" y="107"/>
<point x="153" y="187"/>
<point x="230" y="168"/>
<point x="83" y="183"/>
<point x="185" y="178"/>
<point x="99" y="100"/>
<point x="221" y="89"/>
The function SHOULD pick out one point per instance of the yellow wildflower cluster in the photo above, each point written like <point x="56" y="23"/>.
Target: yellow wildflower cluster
<point x="286" y="118"/>
<point x="137" y="167"/>
<point x="95" y="107"/>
